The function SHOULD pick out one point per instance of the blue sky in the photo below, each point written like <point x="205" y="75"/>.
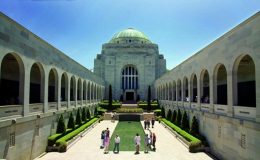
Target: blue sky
<point x="80" y="27"/>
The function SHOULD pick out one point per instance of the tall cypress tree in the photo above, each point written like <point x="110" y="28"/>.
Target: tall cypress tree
<point x="149" y="99"/>
<point x="110" y="97"/>
<point x="71" y="122"/>
<point x="61" y="128"/>
<point x="83" y="116"/>
<point x="78" y="118"/>
<point x="174" y="114"/>
<point x="88" y="114"/>
<point x="194" y="129"/>
<point x="178" y="118"/>
<point x="163" y="112"/>
<point x="185" y="122"/>
<point x="169" y="115"/>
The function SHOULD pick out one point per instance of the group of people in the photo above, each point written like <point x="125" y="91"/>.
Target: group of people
<point x="148" y="122"/>
<point x="149" y="142"/>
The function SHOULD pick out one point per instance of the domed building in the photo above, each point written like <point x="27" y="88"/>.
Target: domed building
<point x="130" y="62"/>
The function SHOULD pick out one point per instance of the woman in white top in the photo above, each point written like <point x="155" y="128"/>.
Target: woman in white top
<point x="137" y="140"/>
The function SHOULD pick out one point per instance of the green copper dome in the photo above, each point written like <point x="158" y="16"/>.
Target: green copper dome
<point x="130" y="34"/>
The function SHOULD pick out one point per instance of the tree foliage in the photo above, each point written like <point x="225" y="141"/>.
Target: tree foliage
<point x="71" y="122"/>
<point x="61" y="128"/>
<point x="78" y="118"/>
<point x="174" y="115"/>
<point x="163" y="112"/>
<point x="169" y="115"/>
<point x="83" y="115"/>
<point x="88" y="114"/>
<point x="194" y="129"/>
<point x="178" y="118"/>
<point x="185" y="122"/>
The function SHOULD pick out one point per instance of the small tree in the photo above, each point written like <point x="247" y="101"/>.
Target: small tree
<point x="78" y="118"/>
<point x="96" y="111"/>
<point x="88" y="114"/>
<point x="110" y="97"/>
<point x="71" y="123"/>
<point x="178" y="118"/>
<point x="163" y="112"/>
<point x="194" y="129"/>
<point x="185" y="122"/>
<point x="174" y="114"/>
<point x="149" y="99"/>
<point x="169" y="115"/>
<point x="83" y="116"/>
<point x="61" y="128"/>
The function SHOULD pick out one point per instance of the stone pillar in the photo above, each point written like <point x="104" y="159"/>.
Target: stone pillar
<point x="90" y="93"/>
<point x="257" y="85"/>
<point x="68" y="91"/>
<point x="46" y="89"/>
<point x="76" y="92"/>
<point x="231" y="93"/>
<point x="58" y="90"/>
<point x="211" y="92"/>
<point x="24" y="89"/>
<point x="199" y="83"/>
<point x="81" y="91"/>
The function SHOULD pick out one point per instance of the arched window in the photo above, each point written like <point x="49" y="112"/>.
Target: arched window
<point x="84" y="90"/>
<point x="179" y="90"/>
<point x="36" y="83"/>
<point x="205" y="86"/>
<point x="220" y="85"/>
<point x="194" y="90"/>
<point x="79" y="89"/>
<point x="72" y="89"/>
<point x="170" y="91"/>
<point x="174" y="90"/>
<point x="185" y="89"/>
<point x="245" y="75"/>
<point x="52" y="89"/>
<point x="64" y="87"/>
<point x="11" y="80"/>
<point x="88" y="91"/>
<point x="129" y="78"/>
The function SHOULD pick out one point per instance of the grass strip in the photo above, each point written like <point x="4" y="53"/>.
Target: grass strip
<point x="127" y="131"/>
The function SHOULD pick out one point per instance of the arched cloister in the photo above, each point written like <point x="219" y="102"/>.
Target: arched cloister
<point x="220" y="84"/>
<point x="179" y="90"/>
<point x="53" y="86"/>
<point x="194" y="88"/>
<point x="185" y="89"/>
<point x="73" y="88"/>
<point x="205" y="94"/>
<point x="64" y="87"/>
<point x="36" y="83"/>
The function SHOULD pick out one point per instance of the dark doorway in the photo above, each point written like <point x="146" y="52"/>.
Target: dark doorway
<point x="129" y="96"/>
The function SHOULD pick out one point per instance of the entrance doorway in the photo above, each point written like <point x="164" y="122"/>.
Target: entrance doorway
<point x="129" y="96"/>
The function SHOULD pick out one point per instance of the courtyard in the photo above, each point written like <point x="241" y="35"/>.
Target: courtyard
<point x="88" y="147"/>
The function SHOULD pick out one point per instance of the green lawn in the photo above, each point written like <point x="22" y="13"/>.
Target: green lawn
<point x="127" y="131"/>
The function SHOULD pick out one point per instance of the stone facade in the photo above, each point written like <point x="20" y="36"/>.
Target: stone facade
<point x="227" y="73"/>
<point x="129" y="50"/>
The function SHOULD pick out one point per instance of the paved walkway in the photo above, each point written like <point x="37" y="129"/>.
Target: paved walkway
<point x="87" y="148"/>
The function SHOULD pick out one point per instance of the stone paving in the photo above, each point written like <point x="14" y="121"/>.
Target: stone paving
<point x="87" y="148"/>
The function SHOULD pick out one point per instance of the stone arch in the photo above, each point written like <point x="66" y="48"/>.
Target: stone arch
<point x="186" y="89"/>
<point x="205" y="87"/>
<point x="170" y="91"/>
<point x="79" y="89"/>
<point x="64" y="86"/>
<point x="179" y="90"/>
<point x="174" y="90"/>
<point x="84" y="89"/>
<point x="53" y="85"/>
<point x="220" y="84"/>
<point x="36" y="83"/>
<point x="244" y="81"/>
<point x="194" y="88"/>
<point x="88" y="90"/>
<point x="12" y="80"/>
<point x="73" y="88"/>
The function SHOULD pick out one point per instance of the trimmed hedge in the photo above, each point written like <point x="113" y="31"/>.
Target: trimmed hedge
<point x="129" y="110"/>
<point x="157" y="112"/>
<point x="52" y="139"/>
<point x="194" y="142"/>
<point x="62" y="142"/>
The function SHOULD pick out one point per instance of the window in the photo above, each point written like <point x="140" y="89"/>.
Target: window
<point x="129" y="78"/>
<point x="12" y="139"/>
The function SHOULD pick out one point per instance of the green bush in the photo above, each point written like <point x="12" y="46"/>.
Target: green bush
<point x="129" y="110"/>
<point x="88" y="114"/>
<point x="83" y="115"/>
<point x="163" y="112"/>
<point x="78" y="118"/>
<point x="194" y="142"/>
<point x="62" y="142"/>
<point x="178" y="118"/>
<point x="169" y="115"/>
<point x="194" y="129"/>
<point x="174" y="115"/>
<point x="61" y="128"/>
<point x="71" y="122"/>
<point x="53" y="138"/>
<point x="95" y="111"/>
<point x="185" y="122"/>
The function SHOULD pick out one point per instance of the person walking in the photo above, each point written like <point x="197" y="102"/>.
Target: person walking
<point x="153" y="122"/>
<point x="146" y="143"/>
<point x="107" y="139"/>
<point x="153" y="142"/>
<point x="117" y="142"/>
<point x="148" y="123"/>
<point x="137" y="141"/>
<point x="103" y="134"/>
<point x="145" y="123"/>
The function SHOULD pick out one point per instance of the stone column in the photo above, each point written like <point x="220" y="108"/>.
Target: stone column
<point x="46" y="89"/>
<point x="211" y="92"/>
<point x="58" y="89"/>
<point x="76" y="92"/>
<point x="199" y="84"/>
<point x="68" y="91"/>
<point x="231" y="93"/>
<point x="24" y="89"/>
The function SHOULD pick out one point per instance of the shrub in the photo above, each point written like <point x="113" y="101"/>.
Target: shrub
<point x="53" y="138"/>
<point x="163" y="112"/>
<point x="169" y="115"/>
<point x="95" y="111"/>
<point x="62" y="142"/>
<point x="83" y="115"/>
<point x="61" y="128"/>
<point x="194" y="142"/>
<point x="78" y="118"/>
<point x="129" y="110"/>
<point x="194" y="129"/>
<point x="178" y="118"/>
<point x="88" y="114"/>
<point x="71" y="122"/>
<point x="174" y="115"/>
<point x="185" y="122"/>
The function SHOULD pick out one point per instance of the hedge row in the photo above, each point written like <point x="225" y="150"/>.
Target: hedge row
<point x="129" y="110"/>
<point x="62" y="142"/>
<point x="194" y="142"/>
